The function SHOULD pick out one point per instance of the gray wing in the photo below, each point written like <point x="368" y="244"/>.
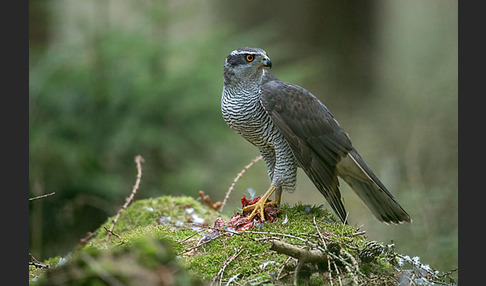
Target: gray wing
<point x="324" y="151"/>
<point x="316" y="139"/>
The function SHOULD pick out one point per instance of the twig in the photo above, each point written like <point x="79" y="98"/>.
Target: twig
<point x="201" y="242"/>
<point x="283" y="235"/>
<point x="232" y="279"/>
<point x="205" y="198"/>
<point x="300" y="263"/>
<point x="338" y="273"/>
<point x="138" y="160"/>
<point x="344" y="262"/>
<point x="42" y="196"/>
<point x="236" y="180"/>
<point x="226" y="263"/>
<point x="330" y="272"/>
<point x="36" y="263"/>
<point x="359" y="233"/>
<point x="89" y="235"/>
<point x="356" y="267"/>
<point x="100" y="270"/>
<point x="320" y="234"/>
<point x="306" y="241"/>
<point x="283" y="266"/>
<point x="345" y="222"/>
<point x="111" y="232"/>
<point x="191" y="236"/>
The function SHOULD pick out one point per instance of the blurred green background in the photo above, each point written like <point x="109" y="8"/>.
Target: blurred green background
<point x="109" y="80"/>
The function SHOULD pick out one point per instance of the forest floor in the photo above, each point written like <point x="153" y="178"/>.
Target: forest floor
<point x="183" y="241"/>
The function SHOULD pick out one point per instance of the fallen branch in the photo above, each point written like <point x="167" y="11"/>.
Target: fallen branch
<point x="138" y="160"/>
<point x="307" y="255"/>
<point x="240" y="174"/>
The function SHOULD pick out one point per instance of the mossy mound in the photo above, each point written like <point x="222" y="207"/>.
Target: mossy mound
<point x="177" y="239"/>
<point x="146" y="261"/>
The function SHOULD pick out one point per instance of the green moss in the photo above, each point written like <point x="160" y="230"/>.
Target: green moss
<point x="145" y="244"/>
<point x="146" y="261"/>
<point x="150" y="211"/>
<point x="255" y="258"/>
<point x="139" y="223"/>
<point x="35" y="272"/>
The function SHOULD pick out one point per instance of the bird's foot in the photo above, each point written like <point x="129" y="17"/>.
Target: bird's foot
<point x="259" y="207"/>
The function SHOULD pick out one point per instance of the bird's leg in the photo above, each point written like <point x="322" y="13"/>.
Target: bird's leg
<point x="259" y="206"/>
<point x="278" y="195"/>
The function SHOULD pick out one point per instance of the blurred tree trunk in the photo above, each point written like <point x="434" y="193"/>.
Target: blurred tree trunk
<point x="337" y="34"/>
<point x="38" y="32"/>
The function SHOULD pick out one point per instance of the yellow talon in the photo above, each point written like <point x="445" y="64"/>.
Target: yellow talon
<point x="259" y="207"/>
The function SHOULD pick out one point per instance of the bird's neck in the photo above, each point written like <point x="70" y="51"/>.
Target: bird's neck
<point x="248" y="91"/>
<point x="230" y="78"/>
<point x="248" y="88"/>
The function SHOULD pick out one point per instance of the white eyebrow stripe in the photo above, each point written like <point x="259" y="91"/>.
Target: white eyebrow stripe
<point x="237" y="52"/>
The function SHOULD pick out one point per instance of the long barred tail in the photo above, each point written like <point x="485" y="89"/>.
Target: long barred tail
<point x="364" y="182"/>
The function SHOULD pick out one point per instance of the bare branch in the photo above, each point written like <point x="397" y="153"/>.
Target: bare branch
<point x="307" y="255"/>
<point x="36" y="263"/>
<point x="111" y="232"/>
<point x="138" y="160"/>
<point x="236" y="180"/>
<point x="205" y="198"/>
<point x="42" y="196"/>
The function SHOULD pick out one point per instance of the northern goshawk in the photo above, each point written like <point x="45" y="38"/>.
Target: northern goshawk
<point x="292" y="128"/>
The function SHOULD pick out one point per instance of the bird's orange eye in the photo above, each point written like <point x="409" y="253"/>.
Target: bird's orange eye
<point x="250" y="58"/>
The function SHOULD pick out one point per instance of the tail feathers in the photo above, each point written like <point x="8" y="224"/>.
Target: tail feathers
<point x="377" y="198"/>
<point x="332" y="194"/>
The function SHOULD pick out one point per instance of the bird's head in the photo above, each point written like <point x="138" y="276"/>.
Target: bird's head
<point x="245" y="64"/>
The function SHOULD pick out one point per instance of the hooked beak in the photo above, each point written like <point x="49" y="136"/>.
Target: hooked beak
<point x="267" y="62"/>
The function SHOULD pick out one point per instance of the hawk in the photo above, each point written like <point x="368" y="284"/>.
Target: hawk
<point x="292" y="128"/>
